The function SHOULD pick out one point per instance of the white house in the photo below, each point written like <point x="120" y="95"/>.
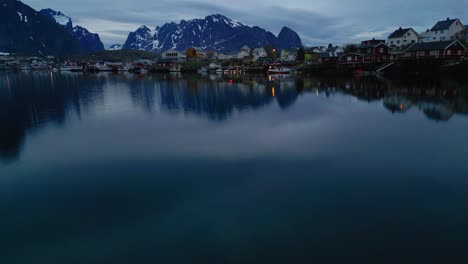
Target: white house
<point x="173" y="56"/>
<point x="245" y="52"/>
<point x="402" y="37"/>
<point x="288" y="55"/>
<point x="442" y="31"/>
<point x="259" y="53"/>
<point x="228" y="56"/>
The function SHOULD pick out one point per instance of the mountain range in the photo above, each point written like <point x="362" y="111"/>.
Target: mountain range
<point x="24" y="30"/>
<point x="49" y="32"/>
<point x="90" y="42"/>
<point x="214" y="32"/>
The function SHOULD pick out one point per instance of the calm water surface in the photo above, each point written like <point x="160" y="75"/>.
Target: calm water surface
<point x="250" y="169"/>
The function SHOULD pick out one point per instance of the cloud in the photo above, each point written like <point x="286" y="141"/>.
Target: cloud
<point x="317" y="22"/>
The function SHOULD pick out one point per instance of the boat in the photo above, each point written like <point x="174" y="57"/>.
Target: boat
<point x="280" y="70"/>
<point x="175" y="69"/>
<point x="71" y="68"/>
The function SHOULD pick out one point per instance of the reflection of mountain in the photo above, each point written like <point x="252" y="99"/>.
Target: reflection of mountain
<point x="215" y="98"/>
<point x="28" y="102"/>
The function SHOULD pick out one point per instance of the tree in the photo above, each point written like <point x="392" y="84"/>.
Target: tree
<point x="300" y="55"/>
<point x="271" y="51"/>
<point x="352" y="47"/>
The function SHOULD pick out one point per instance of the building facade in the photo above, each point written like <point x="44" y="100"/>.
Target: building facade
<point x="442" y="31"/>
<point x="402" y="38"/>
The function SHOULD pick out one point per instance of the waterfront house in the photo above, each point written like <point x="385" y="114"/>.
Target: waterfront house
<point x="402" y="38"/>
<point x="227" y="56"/>
<point x="350" y="58"/>
<point x="311" y="57"/>
<point x="259" y="53"/>
<point x="442" y="31"/>
<point x="289" y="55"/>
<point x="442" y="50"/>
<point x="374" y="50"/>
<point x="462" y="36"/>
<point x="195" y="53"/>
<point x="173" y="56"/>
<point x="330" y="57"/>
<point x="244" y="52"/>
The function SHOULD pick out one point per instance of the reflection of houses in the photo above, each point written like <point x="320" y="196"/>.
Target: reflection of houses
<point x="438" y="111"/>
<point x="173" y="56"/>
<point x="374" y="50"/>
<point x="451" y="49"/>
<point x="397" y="103"/>
<point x="402" y="38"/>
<point x="442" y="31"/>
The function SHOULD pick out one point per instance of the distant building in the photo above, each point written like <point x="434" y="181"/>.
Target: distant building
<point x="288" y="55"/>
<point x="244" y="52"/>
<point x="227" y="56"/>
<point x="462" y="35"/>
<point x="195" y="53"/>
<point x="442" y="31"/>
<point x="349" y="58"/>
<point x="173" y="56"/>
<point x="402" y="38"/>
<point x="374" y="50"/>
<point x="450" y="49"/>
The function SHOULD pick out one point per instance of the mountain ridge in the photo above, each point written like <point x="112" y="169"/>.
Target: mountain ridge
<point x="214" y="32"/>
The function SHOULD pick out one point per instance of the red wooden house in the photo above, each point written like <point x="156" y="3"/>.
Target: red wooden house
<point x="374" y="50"/>
<point x="350" y="58"/>
<point x="443" y="50"/>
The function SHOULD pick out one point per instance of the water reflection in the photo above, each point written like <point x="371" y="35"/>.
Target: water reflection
<point x="29" y="102"/>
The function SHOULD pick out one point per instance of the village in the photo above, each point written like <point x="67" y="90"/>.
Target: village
<point x="444" y="44"/>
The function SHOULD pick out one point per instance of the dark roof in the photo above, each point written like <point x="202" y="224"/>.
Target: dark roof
<point x="443" y="25"/>
<point x="370" y="45"/>
<point x="437" y="45"/>
<point x="327" y="55"/>
<point x="399" y="33"/>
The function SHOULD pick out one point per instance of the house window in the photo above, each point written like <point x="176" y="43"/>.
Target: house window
<point x="369" y="50"/>
<point x="391" y="42"/>
<point x="442" y="38"/>
<point x="381" y="50"/>
<point x="434" y="53"/>
<point x="404" y="41"/>
<point x="408" y="54"/>
<point x="421" y="53"/>
<point x="449" y="52"/>
<point x="398" y="42"/>
<point x="460" y="52"/>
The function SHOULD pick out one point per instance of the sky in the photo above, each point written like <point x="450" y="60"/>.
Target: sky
<point x="318" y="22"/>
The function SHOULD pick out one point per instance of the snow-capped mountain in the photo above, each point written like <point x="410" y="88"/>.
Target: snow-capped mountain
<point x="214" y="32"/>
<point x="23" y="30"/>
<point x="59" y="17"/>
<point x="115" y="47"/>
<point x="90" y="41"/>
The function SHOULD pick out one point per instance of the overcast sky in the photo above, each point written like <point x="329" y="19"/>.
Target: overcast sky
<point x="317" y="21"/>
